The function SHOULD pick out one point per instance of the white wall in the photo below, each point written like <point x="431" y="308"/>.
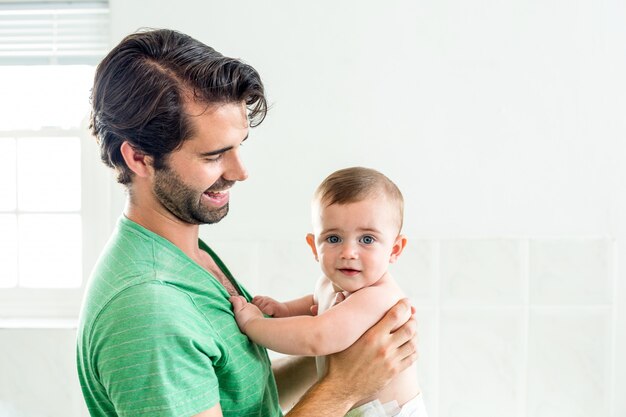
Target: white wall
<point x="502" y="123"/>
<point x="496" y="118"/>
<point x="38" y="373"/>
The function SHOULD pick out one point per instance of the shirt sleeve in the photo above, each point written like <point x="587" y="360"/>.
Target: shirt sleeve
<point x="154" y="353"/>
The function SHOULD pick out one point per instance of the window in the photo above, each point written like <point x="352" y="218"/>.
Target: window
<point x="53" y="198"/>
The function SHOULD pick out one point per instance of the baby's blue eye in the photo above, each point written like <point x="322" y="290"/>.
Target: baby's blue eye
<point x="333" y="239"/>
<point x="367" y="239"/>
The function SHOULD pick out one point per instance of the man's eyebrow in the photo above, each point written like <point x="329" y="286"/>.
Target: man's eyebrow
<point x="216" y="152"/>
<point x="219" y="151"/>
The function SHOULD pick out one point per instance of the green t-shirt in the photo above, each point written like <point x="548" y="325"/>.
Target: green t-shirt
<point x="157" y="336"/>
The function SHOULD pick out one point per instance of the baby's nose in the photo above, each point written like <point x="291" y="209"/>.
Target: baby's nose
<point x="348" y="251"/>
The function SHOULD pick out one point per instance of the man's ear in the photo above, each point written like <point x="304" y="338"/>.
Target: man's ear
<point x="310" y="239"/>
<point x="139" y="163"/>
<point x="397" y="248"/>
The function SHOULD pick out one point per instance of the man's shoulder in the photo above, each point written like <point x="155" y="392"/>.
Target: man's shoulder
<point x="126" y="260"/>
<point x="149" y="297"/>
<point x="127" y="246"/>
<point x="131" y="252"/>
<point x="150" y="306"/>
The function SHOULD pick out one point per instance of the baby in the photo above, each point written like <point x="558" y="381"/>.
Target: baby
<point x="357" y="219"/>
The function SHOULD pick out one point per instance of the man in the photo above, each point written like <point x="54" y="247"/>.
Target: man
<point x="157" y="335"/>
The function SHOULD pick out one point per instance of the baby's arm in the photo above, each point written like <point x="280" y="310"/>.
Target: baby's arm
<point x="330" y="332"/>
<point x="299" y="307"/>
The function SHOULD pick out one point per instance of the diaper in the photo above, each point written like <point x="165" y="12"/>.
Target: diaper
<point x="413" y="408"/>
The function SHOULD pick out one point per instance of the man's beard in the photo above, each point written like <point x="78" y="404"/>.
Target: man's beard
<point x="183" y="201"/>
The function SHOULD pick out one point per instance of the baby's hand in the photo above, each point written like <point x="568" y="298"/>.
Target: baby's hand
<point x="270" y="306"/>
<point x="244" y="311"/>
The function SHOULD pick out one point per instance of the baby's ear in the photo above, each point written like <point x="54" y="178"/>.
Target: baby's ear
<point x="310" y="240"/>
<point x="397" y="248"/>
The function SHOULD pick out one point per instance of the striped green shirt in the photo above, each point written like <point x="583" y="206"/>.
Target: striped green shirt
<point x="157" y="336"/>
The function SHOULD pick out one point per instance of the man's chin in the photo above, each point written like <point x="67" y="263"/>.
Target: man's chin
<point x="215" y="215"/>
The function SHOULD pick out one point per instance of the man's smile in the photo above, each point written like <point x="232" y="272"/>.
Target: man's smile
<point x="216" y="198"/>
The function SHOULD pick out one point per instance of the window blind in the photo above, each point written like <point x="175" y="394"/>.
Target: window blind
<point x="40" y="33"/>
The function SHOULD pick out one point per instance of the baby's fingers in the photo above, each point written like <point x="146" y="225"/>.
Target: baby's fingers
<point x="261" y="301"/>
<point x="238" y="303"/>
<point x="265" y="304"/>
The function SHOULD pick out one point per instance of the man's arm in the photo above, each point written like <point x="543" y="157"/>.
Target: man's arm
<point x="360" y="371"/>
<point x="212" y="412"/>
<point x="324" y="334"/>
<point x="294" y="375"/>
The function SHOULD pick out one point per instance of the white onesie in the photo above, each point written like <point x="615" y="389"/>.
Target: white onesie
<point x="413" y="408"/>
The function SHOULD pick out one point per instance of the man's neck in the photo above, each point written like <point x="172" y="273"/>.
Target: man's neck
<point x="166" y="225"/>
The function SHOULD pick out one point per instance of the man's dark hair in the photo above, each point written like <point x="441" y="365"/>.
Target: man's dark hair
<point x="142" y="85"/>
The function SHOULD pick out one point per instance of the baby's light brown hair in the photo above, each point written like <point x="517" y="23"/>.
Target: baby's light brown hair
<point x="355" y="184"/>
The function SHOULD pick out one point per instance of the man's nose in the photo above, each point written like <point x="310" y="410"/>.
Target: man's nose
<point x="236" y="170"/>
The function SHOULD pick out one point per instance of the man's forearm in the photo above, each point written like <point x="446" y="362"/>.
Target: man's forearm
<point x="294" y="375"/>
<point x="324" y="399"/>
<point x="363" y="369"/>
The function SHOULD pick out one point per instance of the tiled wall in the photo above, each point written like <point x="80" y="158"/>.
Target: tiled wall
<point x="38" y="374"/>
<point x="514" y="327"/>
<point x="508" y="327"/>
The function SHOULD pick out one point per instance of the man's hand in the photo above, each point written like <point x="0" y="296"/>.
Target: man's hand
<point x="271" y="307"/>
<point x="385" y="350"/>
<point x="244" y="311"/>
<point x="363" y="369"/>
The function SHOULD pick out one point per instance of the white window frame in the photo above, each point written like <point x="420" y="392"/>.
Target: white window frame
<point x="37" y="303"/>
<point x="96" y="179"/>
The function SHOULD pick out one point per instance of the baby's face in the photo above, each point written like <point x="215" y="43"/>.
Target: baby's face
<point x="355" y="242"/>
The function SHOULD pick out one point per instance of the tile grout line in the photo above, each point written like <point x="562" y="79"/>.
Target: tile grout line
<point x="524" y="374"/>
<point x="611" y="360"/>
<point x="436" y="254"/>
